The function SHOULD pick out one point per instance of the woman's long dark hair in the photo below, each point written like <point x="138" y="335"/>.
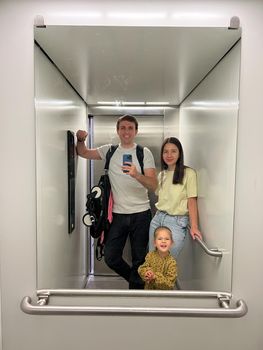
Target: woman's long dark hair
<point x="179" y="169"/>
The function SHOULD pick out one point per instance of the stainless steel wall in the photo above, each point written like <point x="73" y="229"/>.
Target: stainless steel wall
<point x="208" y="131"/>
<point x="61" y="257"/>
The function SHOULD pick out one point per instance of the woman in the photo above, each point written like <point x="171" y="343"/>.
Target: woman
<point x="177" y="196"/>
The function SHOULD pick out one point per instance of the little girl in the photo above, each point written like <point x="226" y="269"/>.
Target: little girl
<point x="159" y="270"/>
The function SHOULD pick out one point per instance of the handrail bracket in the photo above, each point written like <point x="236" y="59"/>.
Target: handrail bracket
<point x="224" y="301"/>
<point x="43" y="299"/>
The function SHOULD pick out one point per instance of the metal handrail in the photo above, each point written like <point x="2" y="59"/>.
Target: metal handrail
<point x="210" y="251"/>
<point x="133" y="293"/>
<point x="224" y="310"/>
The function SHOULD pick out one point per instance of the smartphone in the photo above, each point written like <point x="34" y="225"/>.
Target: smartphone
<point x="126" y="158"/>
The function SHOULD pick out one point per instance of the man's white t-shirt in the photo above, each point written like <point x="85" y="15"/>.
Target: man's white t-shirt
<point x="129" y="196"/>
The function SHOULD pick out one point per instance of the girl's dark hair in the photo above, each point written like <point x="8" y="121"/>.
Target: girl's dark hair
<point x="179" y="169"/>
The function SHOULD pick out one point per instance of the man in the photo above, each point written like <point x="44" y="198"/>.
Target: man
<point x="131" y="207"/>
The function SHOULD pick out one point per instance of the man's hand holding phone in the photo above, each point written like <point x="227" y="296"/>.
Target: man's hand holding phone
<point x="128" y="167"/>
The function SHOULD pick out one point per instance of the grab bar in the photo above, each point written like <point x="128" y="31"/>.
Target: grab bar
<point x="133" y="293"/>
<point x="210" y="251"/>
<point x="224" y="310"/>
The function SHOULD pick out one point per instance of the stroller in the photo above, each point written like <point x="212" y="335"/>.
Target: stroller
<point x="99" y="213"/>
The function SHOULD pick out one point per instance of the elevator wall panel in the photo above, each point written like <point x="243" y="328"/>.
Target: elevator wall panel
<point x="61" y="256"/>
<point x="208" y="131"/>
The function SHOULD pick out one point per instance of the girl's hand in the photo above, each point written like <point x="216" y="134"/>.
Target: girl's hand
<point x="149" y="276"/>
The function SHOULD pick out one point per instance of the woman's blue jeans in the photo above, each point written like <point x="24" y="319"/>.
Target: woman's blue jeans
<point x="176" y="223"/>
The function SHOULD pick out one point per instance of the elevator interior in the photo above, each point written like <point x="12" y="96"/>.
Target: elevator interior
<point x="179" y="82"/>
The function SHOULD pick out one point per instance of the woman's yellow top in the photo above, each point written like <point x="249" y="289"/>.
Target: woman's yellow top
<point x="173" y="198"/>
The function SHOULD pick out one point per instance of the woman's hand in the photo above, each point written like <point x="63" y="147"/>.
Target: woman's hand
<point x="194" y="232"/>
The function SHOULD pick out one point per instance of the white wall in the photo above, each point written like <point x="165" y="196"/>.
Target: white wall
<point x="61" y="257"/>
<point x="208" y="131"/>
<point x="18" y="196"/>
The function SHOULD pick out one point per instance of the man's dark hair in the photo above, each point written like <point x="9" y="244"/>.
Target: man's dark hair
<point x="128" y="118"/>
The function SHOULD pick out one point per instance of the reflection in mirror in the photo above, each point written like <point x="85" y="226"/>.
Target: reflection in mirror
<point x="180" y="82"/>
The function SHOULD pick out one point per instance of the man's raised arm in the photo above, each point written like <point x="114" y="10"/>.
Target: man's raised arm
<point x="82" y="150"/>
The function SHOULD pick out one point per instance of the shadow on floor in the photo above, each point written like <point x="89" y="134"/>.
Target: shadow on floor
<point x="111" y="282"/>
<point x="106" y="282"/>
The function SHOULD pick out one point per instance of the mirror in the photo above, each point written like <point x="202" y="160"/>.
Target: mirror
<point x="180" y="82"/>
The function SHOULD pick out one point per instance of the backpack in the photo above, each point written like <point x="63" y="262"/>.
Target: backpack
<point x="99" y="203"/>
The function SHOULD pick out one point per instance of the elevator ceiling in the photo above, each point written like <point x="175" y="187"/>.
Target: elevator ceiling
<point x="135" y="64"/>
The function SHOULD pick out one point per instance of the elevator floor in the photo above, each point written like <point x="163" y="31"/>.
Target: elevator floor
<point x="111" y="282"/>
<point x="106" y="282"/>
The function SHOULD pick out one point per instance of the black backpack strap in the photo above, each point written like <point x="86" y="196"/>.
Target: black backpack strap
<point x="140" y="156"/>
<point x="109" y="154"/>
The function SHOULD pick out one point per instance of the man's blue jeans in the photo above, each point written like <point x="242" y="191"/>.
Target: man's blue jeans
<point x="136" y="227"/>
